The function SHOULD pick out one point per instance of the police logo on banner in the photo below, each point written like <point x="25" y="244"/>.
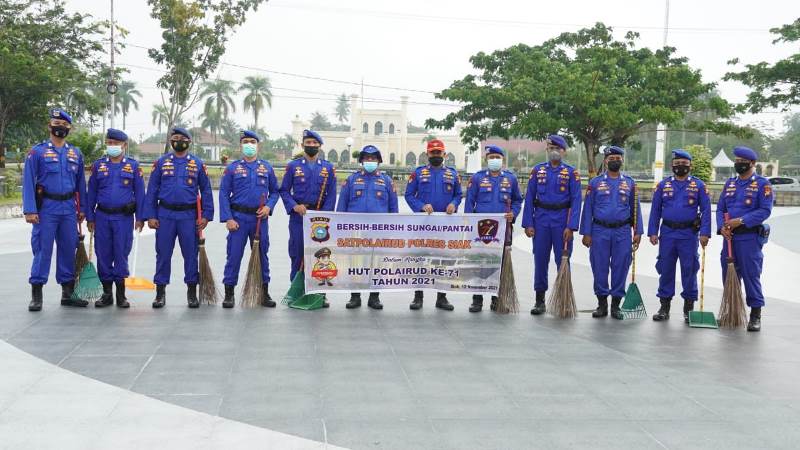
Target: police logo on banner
<point x="487" y="231"/>
<point x="320" y="229"/>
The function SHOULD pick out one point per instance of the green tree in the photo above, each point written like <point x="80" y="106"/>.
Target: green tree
<point x="786" y="148"/>
<point x="160" y="116"/>
<point x="46" y="54"/>
<point x="211" y="120"/>
<point x="219" y="103"/>
<point x="258" y="94"/>
<point x="342" y="108"/>
<point x="194" y="37"/>
<point x="773" y="85"/>
<point x="428" y="138"/>
<point x="701" y="161"/>
<point x="92" y="145"/>
<point x="586" y="84"/>
<point x="125" y="98"/>
<point x="320" y="122"/>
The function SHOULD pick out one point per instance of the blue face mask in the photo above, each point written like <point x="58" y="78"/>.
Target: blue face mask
<point x="494" y="164"/>
<point x="370" y="166"/>
<point x="113" y="150"/>
<point x="249" y="150"/>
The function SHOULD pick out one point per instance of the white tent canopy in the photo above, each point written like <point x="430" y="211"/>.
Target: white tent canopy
<point x="721" y="160"/>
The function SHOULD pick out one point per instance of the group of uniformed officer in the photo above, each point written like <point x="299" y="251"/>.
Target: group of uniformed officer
<point x="178" y="203"/>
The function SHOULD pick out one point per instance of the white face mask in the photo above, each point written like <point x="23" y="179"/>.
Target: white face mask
<point x="494" y="164"/>
<point x="249" y="150"/>
<point x="113" y="150"/>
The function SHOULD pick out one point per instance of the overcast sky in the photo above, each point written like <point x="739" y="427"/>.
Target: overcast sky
<point x="423" y="45"/>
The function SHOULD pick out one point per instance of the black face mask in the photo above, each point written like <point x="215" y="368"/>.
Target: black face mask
<point x="179" y="146"/>
<point x="311" y="150"/>
<point x="436" y="161"/>
<point x="680" y="171"/>
<point x="614" y="166"/>
<point x="59" y="131"/>
<point x="741" y="167"/>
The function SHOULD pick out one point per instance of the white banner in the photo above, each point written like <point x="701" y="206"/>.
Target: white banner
<point x="403" y="252"/>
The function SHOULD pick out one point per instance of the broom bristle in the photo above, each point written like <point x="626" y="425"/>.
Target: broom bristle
<point x="507" y="301"/>
<point x="732" y="311"/>
<point x="208" y="287"/>
<point x="562" y="298"/>
<point x="251" y="293"/>
<point x="81" y="258"/>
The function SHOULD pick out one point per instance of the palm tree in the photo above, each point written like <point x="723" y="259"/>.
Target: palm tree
<point x="125" y="98"/>
<point x="212" y="121"/>
<point x="160" y="116"/>
<point x="259" y="92"/>
<point x="342" y="108"/>
<point x="219" y="103"/>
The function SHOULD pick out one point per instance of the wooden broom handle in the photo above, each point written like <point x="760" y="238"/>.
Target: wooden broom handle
<point x="322" y="191"/>
<point x="730" y="246"/>
<point x="199" y="215"/>
<point x="566" y="243"/>
<point x="258" y="221"/>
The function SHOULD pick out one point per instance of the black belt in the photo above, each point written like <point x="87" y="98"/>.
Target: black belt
<point x="611" y="224"/>
<point x="679" y="225"/>
<point x="244" y="209"/>
<point x="746" y="230"/>
<point x="128" y="209"/>
<point x="551" y="206"/>
<point x="176" y="207"/>
<point x="60" y="197"/>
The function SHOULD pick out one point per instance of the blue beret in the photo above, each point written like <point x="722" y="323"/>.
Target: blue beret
<point x="614" y="150"/>
<point x="494" y="150"/>
<point x="181" y="131"/>
<point x="746" y="153"/>
<point x="58" y="113"/>
<point x="370" y="150"/>
<point x="117" y="135"/>
<point x="313" y="135"/>
<point x="557" y="140"/>
<point x="680" y="153"/>
<point x="248" y="134"/>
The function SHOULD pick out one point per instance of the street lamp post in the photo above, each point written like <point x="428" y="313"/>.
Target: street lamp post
<point x="349" y="142"/>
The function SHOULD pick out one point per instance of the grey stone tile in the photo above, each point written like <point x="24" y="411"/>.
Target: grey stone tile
<point x="382" y="434"/>
<point x="208" y="404"/>
<point x="266" y="405"/>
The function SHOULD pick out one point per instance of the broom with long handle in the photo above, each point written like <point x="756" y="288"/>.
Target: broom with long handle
<point x="562" y="298"/>
<point x="208" y="288"/>
<point x="732" y="311"/>
<point x="253" y="283"/>
<point x="81" y="257"/>
<point x="134" y="282"/>
<point x="507" y="301"/>
<point x="702" y="318"/>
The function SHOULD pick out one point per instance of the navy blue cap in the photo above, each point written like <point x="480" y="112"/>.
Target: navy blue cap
<point x="746" y="153"/>
<point x="117" y="135"/>
<point x="181" y="131"/>
<point x="557" y="140"/>
<point x="614" y="150"/>
<point x="313" y="135"/>
<point x="494" y="150"/>
<point x="680" y="153"/>
<point x="244" y="134"/>
<point x="370" y="150"/>
<point x="58" y="113"/>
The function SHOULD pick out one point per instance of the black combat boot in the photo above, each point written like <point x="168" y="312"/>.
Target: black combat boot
<point x="493" y="304"/>
<point x="442" y="303"/>
<point x="191" y="295"/>
<point x="615" y="312"/>
<point x="161" y="296"/>
<point x="107" y="299"/>
<point x="539" y="307"/>
<point x="122" y="301"/>
<point x="374" y="301"/>
<point x="663" y="312"/>
<point x="36" y="298"/>
<point x="755" y="319"/>
<point x="230" y="300"/>
<point x="417" y="302"/>
<point x="67" y="289"/>
<point x="355" y="301"/>
<point x="688" y="306"/>
<point x="266" y="299"/>
<point x="477" y="303"/>
<point x="602" y="307"/>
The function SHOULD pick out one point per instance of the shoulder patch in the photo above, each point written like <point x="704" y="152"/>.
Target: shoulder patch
<point x="767" y="190"/>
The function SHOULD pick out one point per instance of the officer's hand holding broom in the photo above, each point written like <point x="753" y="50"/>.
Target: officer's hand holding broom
<point x="567" y="234"/>
<point x="637" y="238"/>
<point x="90" y="227"/>
<point x="263" y="212"/>
<point x="202" y="223"/>
<point x="704" y="241"/>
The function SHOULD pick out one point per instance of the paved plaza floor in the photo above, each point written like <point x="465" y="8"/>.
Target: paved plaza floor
<point x="364" y="379"/>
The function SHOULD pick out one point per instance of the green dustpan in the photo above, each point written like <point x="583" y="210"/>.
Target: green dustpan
<point x="296" y="295"/>
<point x="702" y="319"/>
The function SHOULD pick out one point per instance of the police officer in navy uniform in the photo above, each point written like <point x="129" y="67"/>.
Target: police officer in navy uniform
<point x="747" y="199"/>
<point x="308" y="184"/>
<point x="171" y="209"/>
<point x="433" y="188"/>
<point x="493" y="190"/>
<point x="115" y="194"/>
<point x="608" y="212"/>
<point x="368" y="191"/>
<point x="552" y="209"/>
<point x="245" y="184"/>
<point x="53" y="177"/>
<point x="683" y="209"/>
